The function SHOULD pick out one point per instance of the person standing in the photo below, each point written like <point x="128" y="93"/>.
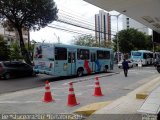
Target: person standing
<point x="125" y="67"/>
<point x="140" y="64"/>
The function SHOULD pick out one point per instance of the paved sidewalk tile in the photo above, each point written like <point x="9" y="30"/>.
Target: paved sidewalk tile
<point x="152" y="103"/>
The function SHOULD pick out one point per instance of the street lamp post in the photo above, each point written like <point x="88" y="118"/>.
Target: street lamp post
<point x="117" y="16"/>
<point x="57" y="37"/>
<point x="117" y="37"/>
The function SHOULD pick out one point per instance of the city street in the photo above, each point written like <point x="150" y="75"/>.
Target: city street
<point x="113" y="85"/>
<point x="17" y="84"/>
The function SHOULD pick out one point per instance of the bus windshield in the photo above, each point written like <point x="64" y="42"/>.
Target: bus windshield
<point x="136" y="54"/>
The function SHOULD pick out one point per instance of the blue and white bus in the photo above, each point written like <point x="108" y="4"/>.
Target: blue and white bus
<point x="144" y="55"/>
<point x="65" y="60"/>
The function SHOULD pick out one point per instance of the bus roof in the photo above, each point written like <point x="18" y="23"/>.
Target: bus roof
<point x="143" y="51"/>
<point x="73" y="46"/>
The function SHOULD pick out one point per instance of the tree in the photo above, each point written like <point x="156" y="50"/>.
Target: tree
<point x="132" y="39"/>
<point x="149" y="43"/>
<point x="28" y="14"/>
<point x="4" y="50"/>
<point x="15" y="53"/>
<point x="8" y="25"/>
<point x="89" y="40"/>
<point x="30" y="49"/>
<point x="85" y="40"/>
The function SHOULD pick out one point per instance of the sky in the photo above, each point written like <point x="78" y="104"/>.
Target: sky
<point x="78" y="8"/>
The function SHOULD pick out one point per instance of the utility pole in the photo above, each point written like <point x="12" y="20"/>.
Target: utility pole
<point x="117" y="16"/>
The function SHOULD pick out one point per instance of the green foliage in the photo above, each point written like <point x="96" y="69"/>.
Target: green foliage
<point x="89" y="40"/>
<point x="107" y="44"/>
<point x="4" y="50"/>
<point x="30" y="49"/>
<point x="15" y="52"/>
<point x="85" y="40"/>
<point x="132" y="39"/>
<point x="28" y="14"/>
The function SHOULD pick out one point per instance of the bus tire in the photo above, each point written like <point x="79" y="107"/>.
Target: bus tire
<point x="80" y="72"/>
<point x="106" y="68"/>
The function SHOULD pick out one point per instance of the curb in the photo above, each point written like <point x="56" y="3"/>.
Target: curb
<point x="91" y="108"/>
<point x="142" y="95"/>
<point x="148" y="88"/>
<point x="141" y="92"/>
<point x="128" y="104"/>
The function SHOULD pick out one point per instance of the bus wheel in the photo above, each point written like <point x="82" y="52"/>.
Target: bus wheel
<point x="80" y="72"/>
<point x="106" y="68"/>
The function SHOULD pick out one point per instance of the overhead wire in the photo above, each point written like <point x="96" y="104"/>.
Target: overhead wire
<point x="76" y="21"/>
<point x="67" y="30"/>
<point x="80" y="18"/>
<point x="74" y="14"/>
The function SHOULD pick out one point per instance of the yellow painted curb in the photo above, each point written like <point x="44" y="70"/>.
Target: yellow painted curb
<point x="142" y="95"/>
<point x="89" y="109"/>
<point x="147" y="88"/>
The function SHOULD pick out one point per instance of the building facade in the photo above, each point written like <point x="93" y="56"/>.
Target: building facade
<point x="102" y="27"/>
<point x="130" y="23"/>
<point x="12" y="36"/>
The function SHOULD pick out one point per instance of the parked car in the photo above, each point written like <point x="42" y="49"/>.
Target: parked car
<point x="131" y="64"/>
<point x="10" y="69"/>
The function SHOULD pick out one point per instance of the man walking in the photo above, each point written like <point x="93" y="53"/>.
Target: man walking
<point x="125" y="67"/>
<point x="140" y="64"/>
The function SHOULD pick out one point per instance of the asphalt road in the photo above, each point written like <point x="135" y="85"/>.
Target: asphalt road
<point x="17" y="84"/>
<point x="113" y="86"/>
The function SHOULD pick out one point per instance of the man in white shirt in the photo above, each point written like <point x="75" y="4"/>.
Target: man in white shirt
<point x="140" y="64"/>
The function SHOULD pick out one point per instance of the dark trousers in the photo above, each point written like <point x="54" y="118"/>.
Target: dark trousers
<point x="125" y="72"/>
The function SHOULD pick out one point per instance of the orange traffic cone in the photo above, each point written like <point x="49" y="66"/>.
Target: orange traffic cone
<point x="47" y="95"/>
<point x="97" y="91"/>
<point x="71" y="96"/>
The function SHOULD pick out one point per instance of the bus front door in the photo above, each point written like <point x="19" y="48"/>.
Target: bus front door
<point x="93" y="59"/>
<point x="71" y="63"/>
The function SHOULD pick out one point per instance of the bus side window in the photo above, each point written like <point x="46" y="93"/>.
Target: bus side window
<point x="60" y="53"/>
<point x="83" y="54"/>
<point x="71" y="57"/>
<point x="145" y="56"/>
<point x="78" y="54"/>
<point x="93" y="57"/>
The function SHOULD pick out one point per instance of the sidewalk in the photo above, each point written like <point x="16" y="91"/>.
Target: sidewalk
<point x="130" y="108"/>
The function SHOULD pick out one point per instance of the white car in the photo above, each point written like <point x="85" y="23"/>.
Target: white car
<point x="131" y="64"/>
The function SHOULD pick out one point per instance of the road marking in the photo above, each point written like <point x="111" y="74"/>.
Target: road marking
<point x="20" y="102"/>
<point x="58" y="88"/>
<point x="76" y="93"/>
<point x="90" y="78"/>
<point x="79" y="80"/>
<point x="90" y="85"/>
<point x="142" y="71"/>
